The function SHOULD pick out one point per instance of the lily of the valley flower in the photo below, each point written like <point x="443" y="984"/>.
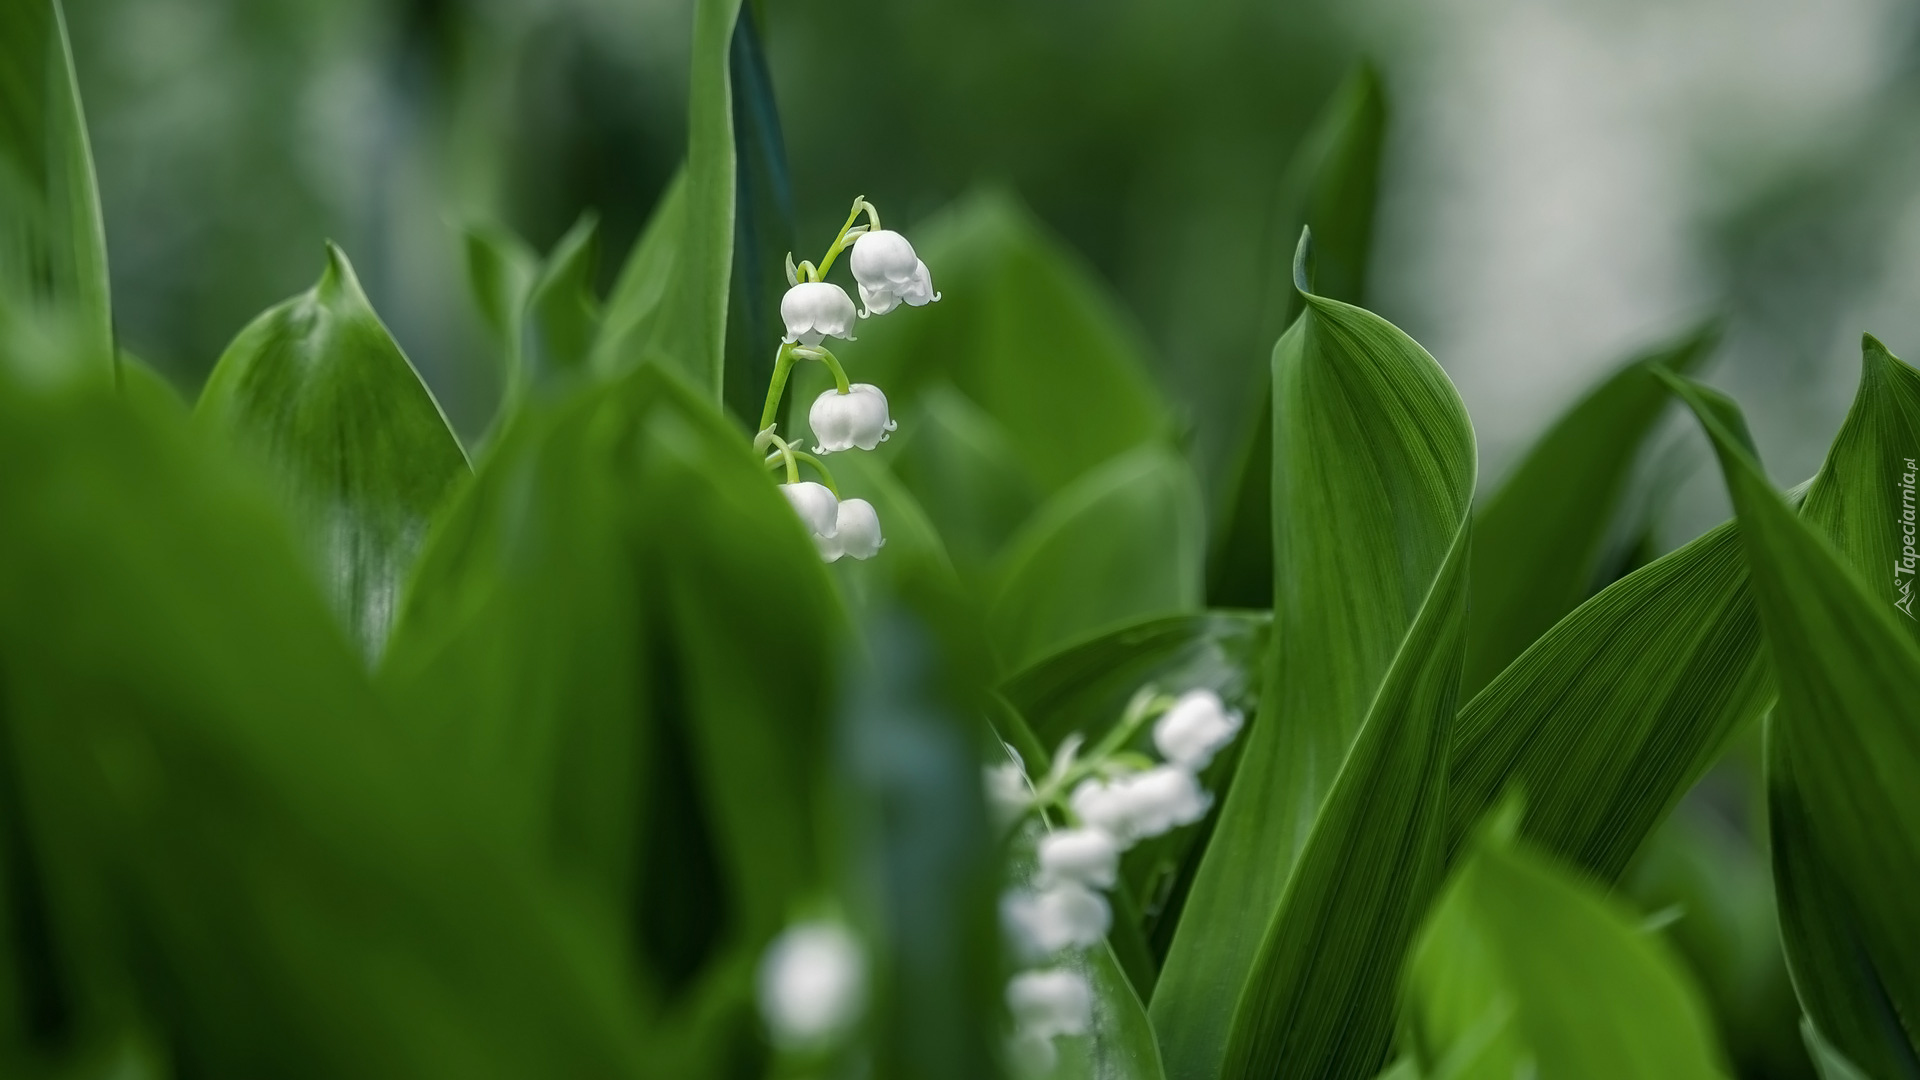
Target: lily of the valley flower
<point x="856" y="532"/>
<point x="1062" y="916"/>
<point x="1085" y="856"/>
<point x="812" y="984"/>
<point x="1195" y="729"/>
<point x="816" y="310"/>
<point x="855" y="418"/>
<point x="818" y="509"/>
<point x="889" y="273"/>
<point x="1045" y="1005"/>
<point x="1138" y="805"/>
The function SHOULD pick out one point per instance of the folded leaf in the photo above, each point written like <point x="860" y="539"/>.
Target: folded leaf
<point x="1540" y="539"/>
<point x="1843" y="745"/>
<point x="1524" y="970"/>
<point x="317" y="392"/>
<point x="1373" y="477"/>
<point x="763" y="222"/>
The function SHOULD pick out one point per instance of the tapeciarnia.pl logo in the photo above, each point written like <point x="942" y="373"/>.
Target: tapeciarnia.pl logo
<point x="1905" y="563"/>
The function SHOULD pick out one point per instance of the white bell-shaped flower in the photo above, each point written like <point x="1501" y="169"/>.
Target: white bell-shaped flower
<point x="1143" y="804"/>
<point x="1086" y="856"/>
<point x="1045" y="1005"/>
<point x="855" y="418"/>
<point x="818" y="509"/>
<point x="1063" y="916"/>
<point x="1195" y="729"/>
<point x="816" y="310"/>
<point x="889" y="273"/>
<point x="1009" y="795"/>
<point x="812" y="983"/>
<point x="856" y="532"/>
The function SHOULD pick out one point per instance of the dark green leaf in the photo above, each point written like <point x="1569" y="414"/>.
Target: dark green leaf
<point x="1326" y="844"/>
<point x="1843" y="745"/>
<point x="1121" y="544"/>
<point x="962" y="467"/>
<point x="1329" y="186"/>
<point x="53" y="246"/>
<point x="318" y="392"/>
<point x="1539" y="540"/>
<point x="763" y="223"/>
<point x="1831" y="1063"/>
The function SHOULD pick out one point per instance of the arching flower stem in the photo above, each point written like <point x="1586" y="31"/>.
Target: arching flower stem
<point x="782" y="366"/>
<point x="785" y="454"/>
<point x="847" y="234"/>
<point x="820" y="353"/>
<point x="1070" y="766"/>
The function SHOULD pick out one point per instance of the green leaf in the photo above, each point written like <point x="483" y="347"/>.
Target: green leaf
<point x="1843" y="745"/>
<point x="763" y="224"/>
<point x="962" y="467"/>
<point x="1025" y="332"/>
<point x="1831" y="1063"/>
<point x="670" y="305"/>
<point x="223" y="817"/>
<point x="317" y="391"/>
<point x="1525" y="970"/>
<point x="1121" y="544"/>
<point x="1329" y="186"/>
<point x="1608" y="719"/>
<point x="1540" y="539"/>
<point x="501" y="270"/>
<point x="53" y="245"/>
<point x="563" y="315"/>
<point x="1329" y="838"/>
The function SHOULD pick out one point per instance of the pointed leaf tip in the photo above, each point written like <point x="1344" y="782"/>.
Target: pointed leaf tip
<point x="1303" y="262"/>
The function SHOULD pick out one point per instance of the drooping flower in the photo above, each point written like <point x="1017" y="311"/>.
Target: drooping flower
<point x="818" y="509"/>
<point x="1085" y="856"/>
<point x="855" y="418"/>
<point x="889" y="273"/>
<point x="1138" y="805"/>
<point x="1045" y="1005"/>
<point x="1061" y="916"/>
<point x="812" y="983"/>
<point x="816" y="310"/>
<point x="1195" y="729"/>
<point x="857" y="530"/>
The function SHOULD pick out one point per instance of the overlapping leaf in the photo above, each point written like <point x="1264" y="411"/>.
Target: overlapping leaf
<point x="1843" y="745"/>
<point x="1329" y="840"/>
<point x="763" y="222"/>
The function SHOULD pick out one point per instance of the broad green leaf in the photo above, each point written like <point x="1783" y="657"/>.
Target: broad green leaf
<point x="961" y="465"/>
<point x="563" y="315"/>
<point x="1085" y="690"/>
<point x="501" y="270"/>
<point x="317" y="392"/>
<point x="53" y="245"/>
<point x="763" y="223"/>
<point x="670" y="305"/>
<point x="1329" y="186"/>
<point x="1843" y="745"/>
<point x="913" y="556"/>
<point x="1122" y="543"/>
<point x="1539" y="540"/>
<point x="1326" y="839"/>
<point x="1608" y="719"/>
<point x="225" y="821"/>
<point x="1525" y="970"/>
<point x="1025" y="332"/>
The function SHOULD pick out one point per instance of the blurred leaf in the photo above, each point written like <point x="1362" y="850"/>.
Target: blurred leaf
<point x="221" y="810"/>
<point x="1329" y="186"/>
<point x="670" y="304"/>
<point x="501" y="270"/>
<point x="563" y="315"/>
<point x="317" y="391"/>
<point x="1524" y="970"/>
<point x="1330" y="837"/>
<point x="1023" y="331"/>
<point x="763" y="223"/>
<point x="1843" y="745"/>
<point x="913" y="549"/>
<point x="1540" y="539"/>
<point x="53" y="246"/>
<point x="961" y="465"/>
<point x="1122" y="543"/>
<point x="1831" y="1063"/>
<point x="1608" y="719"/>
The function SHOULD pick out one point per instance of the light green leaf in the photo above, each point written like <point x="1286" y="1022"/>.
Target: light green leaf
<point x="1025" y="332"/>
<point x="1525" y="970"/>
<point x="1327" y="843"/>
<point x="563" y="315"/>
<point x="501" y="270"/>
<point x="53" y="245"/>
<point x="1329" y="187"/>
<point x="1843" y="745"/>
<point x="1121" y="544"/>
<point x="638" y="305"/>
<point x="961" y="465"/>
<point x="317" y="392"/>
<point x="1539" y="540"/>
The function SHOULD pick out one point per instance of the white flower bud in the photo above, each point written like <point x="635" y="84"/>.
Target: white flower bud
<point x="1195" y="729"/>
<point x="855" y="418"/>
<point x="889" y="272"/>
<point x="1060" y="917"/>
<point x="819" y="511"/>
<point x="1139" y="805"/>
<point x="1008" y="793"/>
<point x="1050" y="1002"/>
<point x="815" y="310"/>
<point x="812" y="984"/>
<point x="856" y="531"/>
<point x="1084" y="856"/>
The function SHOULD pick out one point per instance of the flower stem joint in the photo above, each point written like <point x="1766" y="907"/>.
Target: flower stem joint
<point x="851" y="416"/>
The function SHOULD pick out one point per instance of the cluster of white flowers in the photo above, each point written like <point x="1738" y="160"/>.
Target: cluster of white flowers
<point x="852" y="415"/>
<point x="1112" y="799"/>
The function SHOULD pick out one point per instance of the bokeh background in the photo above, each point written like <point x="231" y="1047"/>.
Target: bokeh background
<point x="1565" y="182"/>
